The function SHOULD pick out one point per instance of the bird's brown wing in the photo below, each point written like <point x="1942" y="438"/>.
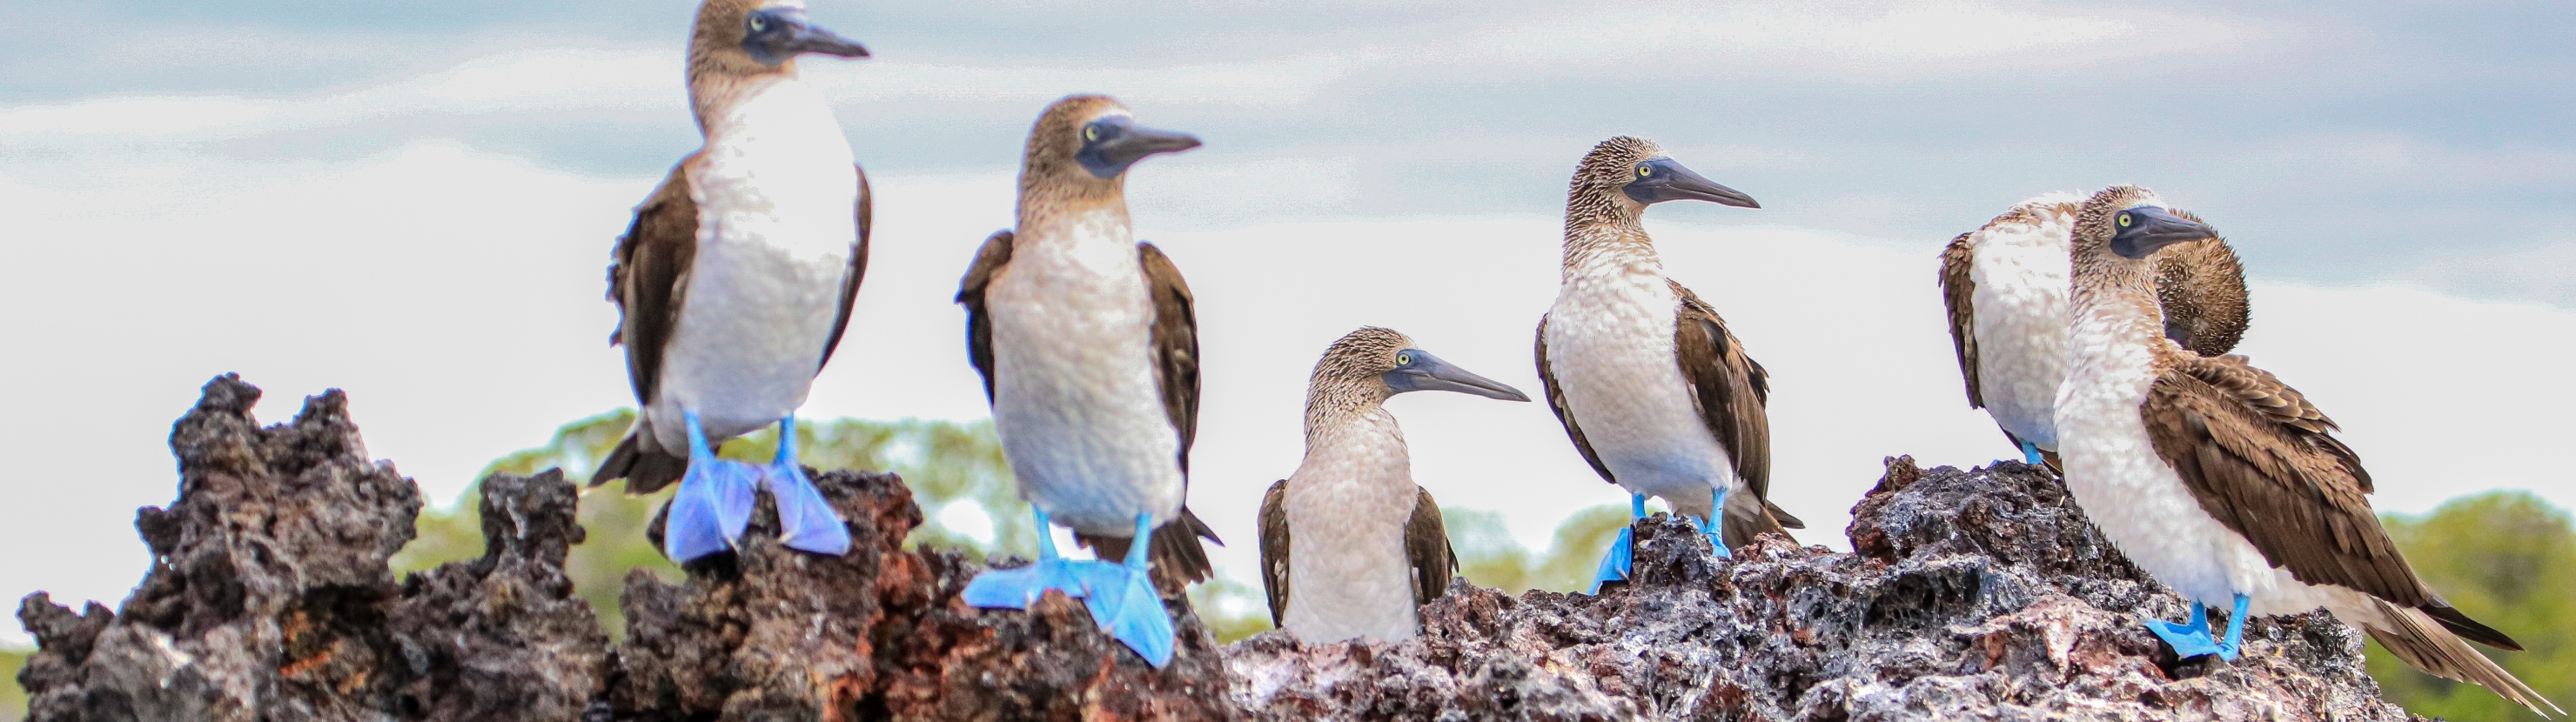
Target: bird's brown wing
<point x="1958" y="290"/>
<point x="1731" y="391"/>
<point x="858" y="269"/>
<point x="1175" y="336"/>
<point x="648" y="277"/>
<point x="2262" y="461"/>
<point x="1426" y="546"/>
<point x="1565" y="414"/>
<point x="1274" y="551"/>
<point x="989" y="260"/>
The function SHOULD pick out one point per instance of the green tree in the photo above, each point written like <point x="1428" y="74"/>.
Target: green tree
<point x="13" y="700"/>
<point x="2505" y="558"/>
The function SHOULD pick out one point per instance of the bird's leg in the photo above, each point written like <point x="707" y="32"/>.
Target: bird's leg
<point x="713" y="506"/>
<point x="1715" y="526"/>
<point x="1021" y="587"/>
<point x="2189" y="639"/>
<point x="805" y="521"/>
<point x="2030" y="454"/>
<point x="1124" y="602"/>
<point x="1623" y="550"/>
<point x="2234" y="645"/>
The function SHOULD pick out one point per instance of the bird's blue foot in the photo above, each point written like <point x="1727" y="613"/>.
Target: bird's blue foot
<point x="806" y="522"/>
<point x="2030" y="454"/>
<point x="1121" y="597"/>
<point x="1715" y="530"/>
<point x="1622" y="556"/>
<point x="713" y="505"/>
<point x="1021" y="587"/>
<point x="2192" y="639"/>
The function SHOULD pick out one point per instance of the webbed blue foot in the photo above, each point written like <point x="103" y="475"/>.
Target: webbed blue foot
<point x="1021" y="587"/>
<point x="1622" y="556"/>
<point x="1715" y="530"/>
<point x="1124" y="602"/>
<point x="2192" y="639"/>
<point x="2030" y="454"/>
<point x="713" y="505"/>
<point x="806" y="522"/>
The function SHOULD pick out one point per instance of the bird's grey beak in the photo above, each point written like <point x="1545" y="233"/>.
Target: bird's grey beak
<point x="1122" y="142"/>
<point x="1421" y="371"/>
<point x="1668" y="180"/>
<point x="776" y="35"/>
<point x="2139" y="232"/>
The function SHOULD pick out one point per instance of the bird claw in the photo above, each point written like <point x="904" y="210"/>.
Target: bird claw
<point x="2193" y="638"/>
<point x="711" y="509"/>
<point x="806" y="522"/>
<point x="1616" y="564"/>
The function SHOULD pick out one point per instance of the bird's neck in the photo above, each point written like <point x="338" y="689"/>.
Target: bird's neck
<point x="1349" y="429"/>
<point x="2115" y="320"/>
<point x="1075" y="222"/>
<point x="1619" y="246"/>
<point x="1332" y="404"/>
<point x="777" y="111"/>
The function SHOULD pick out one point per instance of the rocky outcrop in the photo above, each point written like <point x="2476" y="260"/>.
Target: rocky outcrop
<point x="1972" y="595"/>
<point x="1979" y="594"/>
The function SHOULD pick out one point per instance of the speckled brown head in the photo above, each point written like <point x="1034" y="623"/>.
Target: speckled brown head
<point x="1622" y="175"/>
<point x="2201" y="285"/>
<point x="1081" y="148"/>
<point x="2117" y="232"/>
<point x="1370" y="365"/>
<point x="736" y="41"/>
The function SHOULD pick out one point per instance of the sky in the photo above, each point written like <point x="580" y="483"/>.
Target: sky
<point x="415" y="202"/>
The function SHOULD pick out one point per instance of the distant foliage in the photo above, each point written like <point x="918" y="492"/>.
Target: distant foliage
<point x="13" y="700"/>
<point x="2505" y="558"/>
<point x="955" y="470"/>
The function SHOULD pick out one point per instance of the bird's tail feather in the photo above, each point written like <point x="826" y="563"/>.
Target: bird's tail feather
<point x="2426" y="644"/>
<point x="1176" y="554"/>
<point x="645" y="467"/>
<point x="1748" y="516"/>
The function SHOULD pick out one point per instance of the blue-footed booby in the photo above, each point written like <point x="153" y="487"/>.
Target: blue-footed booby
<point x="2006" y="283"/>
<point x="736" y="280"/>
<point x="1362" y="543"/>
<point x="1089" y="352"/>
<point x="2222" y="481"/>
<point x="1650" y="385"/>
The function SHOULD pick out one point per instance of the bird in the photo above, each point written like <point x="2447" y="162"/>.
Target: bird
<point x="735" y="282"/>
<point x="1367" y="546"/>
<point x="2222" y="481"/>
<point x="1088" y="344"/>
<point x="2005" y="287"/>
<point x="1652" y="388"/>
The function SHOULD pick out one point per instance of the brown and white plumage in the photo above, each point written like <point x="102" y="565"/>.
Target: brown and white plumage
<point x="1088" y="346"/>
<point x="1360" y="544"/>
<point x="736" y="279"/>
<point x="2005" y="286"/>
<point x="1657" y="394"/>
<point x="2220" y="480"/>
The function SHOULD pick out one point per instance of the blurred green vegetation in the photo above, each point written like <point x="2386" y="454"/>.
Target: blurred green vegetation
<point x="13" y="701"/>
<point x="2505" y="558"/>
<point x="955" y="470"/>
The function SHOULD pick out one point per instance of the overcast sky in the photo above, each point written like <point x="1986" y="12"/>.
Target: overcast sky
<point x="415" y="202"/>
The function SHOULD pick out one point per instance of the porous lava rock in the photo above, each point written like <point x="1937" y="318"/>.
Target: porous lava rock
<point x="1979" y="594"/>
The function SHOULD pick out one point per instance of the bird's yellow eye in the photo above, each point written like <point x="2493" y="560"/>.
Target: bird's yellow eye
<point x="2124" y="220"/>
<point x="1090" y="133"/>
<point x="1404" y="359"/>
<point x="1645" y="170"/>
<point x="759" y="23"/>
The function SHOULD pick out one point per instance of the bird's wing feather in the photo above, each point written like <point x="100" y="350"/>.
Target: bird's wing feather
<point x="1176" y="345"/>
<point x="858" y="269"/>
<point x="1426" y="546"/>
<point x="648" y="279"/>
<point x="1274" y="550"/>
<point x="1564" y="414"/>
<point x="1731" y="391"/>
<point x="1958" y="291"/>
<point x="2261" y="460"/>
<point x="989" y="262"/>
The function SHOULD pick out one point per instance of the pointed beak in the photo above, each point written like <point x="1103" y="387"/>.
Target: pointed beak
<point x="1128" y="143"/>
<point x="1429" y="373"/>
<point x="2139" y="232"/>
<point x="1669" y="180"/>
<point x="778" y="34"/>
